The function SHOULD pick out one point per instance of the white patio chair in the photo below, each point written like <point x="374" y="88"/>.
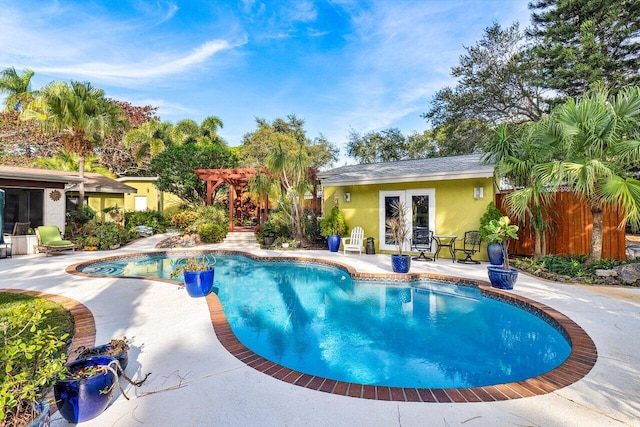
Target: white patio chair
<point x="355" y="242"/>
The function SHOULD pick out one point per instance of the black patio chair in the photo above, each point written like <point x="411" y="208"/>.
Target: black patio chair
<point x="423" y="242"/>
<point x="470" y="246"/>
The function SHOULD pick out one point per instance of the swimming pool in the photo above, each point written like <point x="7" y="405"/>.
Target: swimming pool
<point x="317" y="320"/>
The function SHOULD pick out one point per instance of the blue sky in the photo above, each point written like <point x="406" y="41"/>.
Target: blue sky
<point x="339" y="65"/>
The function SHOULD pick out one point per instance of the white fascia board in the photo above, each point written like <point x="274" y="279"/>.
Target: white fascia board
<point x="137" y="178"/>
<point x="327" y="182"/>
<point x="22" y="176"/>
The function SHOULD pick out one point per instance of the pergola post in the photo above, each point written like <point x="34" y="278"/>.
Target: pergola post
<point x="231" y="206"/>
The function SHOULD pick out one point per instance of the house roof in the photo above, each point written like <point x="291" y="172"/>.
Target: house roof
<point x="93" y="182"/>
<point x="15" y="172"/>
<point x="96" y="183"/>
<point x="433" y="169"/>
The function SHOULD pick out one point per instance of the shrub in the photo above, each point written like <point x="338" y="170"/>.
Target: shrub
<point x="108" y="233"/>
<point x="184" y="220"/>
<point x="154" y="219"/>
<point x="281" y="223"/>
<point x="491" y="213"/>
<point x="32" y="356"/>
<point x="310" y="225"/>
<point x="212" y="233"/>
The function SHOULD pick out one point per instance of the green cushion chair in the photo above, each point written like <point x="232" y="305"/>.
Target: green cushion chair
<point x="49" y="240"/>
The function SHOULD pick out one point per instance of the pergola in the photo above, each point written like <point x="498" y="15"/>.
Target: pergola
<point x="237" y="180"/>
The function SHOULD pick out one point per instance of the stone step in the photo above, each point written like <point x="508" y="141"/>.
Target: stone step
<point x="241" y="239"/>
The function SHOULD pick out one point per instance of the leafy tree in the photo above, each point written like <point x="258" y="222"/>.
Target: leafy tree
<point x="596" y="145"/>
<point x="390" y="145"/>
<point x="17" y="88"/>
<point x="149" y="139"/>
<point x="69" y="161"/>
<point x="81" y="114"/>
<point x="495" y="85"/>
<point x="258" y="145"/>
<point x="384" y="146"/>
<point x="580" y="42"/>
<point x="176" y="164"/>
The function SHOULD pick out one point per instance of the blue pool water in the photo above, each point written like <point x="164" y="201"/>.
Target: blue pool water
<point x="315" y="319"/>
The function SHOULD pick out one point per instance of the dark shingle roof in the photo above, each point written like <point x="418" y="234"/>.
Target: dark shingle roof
<point x="433" y="169"/>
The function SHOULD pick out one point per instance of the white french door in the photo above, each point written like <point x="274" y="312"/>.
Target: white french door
<point x="421" y="210"/>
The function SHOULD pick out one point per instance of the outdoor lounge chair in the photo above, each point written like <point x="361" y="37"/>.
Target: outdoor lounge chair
<point x="423" y="242"/>
<point x="49" y="240"/>
<point x="470" y="246"/>
<point x="355" y="242"/>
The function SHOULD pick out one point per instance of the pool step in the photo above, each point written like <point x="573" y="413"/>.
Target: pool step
<point x="240" y="240"/>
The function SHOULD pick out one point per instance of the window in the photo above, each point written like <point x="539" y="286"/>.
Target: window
<point x="24" y="205"/>
<point x="140" y="203"/>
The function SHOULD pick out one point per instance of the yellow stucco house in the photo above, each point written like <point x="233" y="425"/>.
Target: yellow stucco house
<point x="446" y="194"/>
<point x="147" y="196"/>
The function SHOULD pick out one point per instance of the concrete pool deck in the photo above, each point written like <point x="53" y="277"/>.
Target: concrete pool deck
<point x="196" y="381"/>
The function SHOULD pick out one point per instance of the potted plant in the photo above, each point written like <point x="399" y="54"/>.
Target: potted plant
<point x="268" y="233"/>
<point x="87" y="389"/>
<point x="118" y="348"/>
<point x="494" y="247"/>
<point x="332" y="226"/>
<point x="198" y="275"/>
<point x="32" y="357"/>
<point x="399" y="231"/>
<point x="501" y="231"/>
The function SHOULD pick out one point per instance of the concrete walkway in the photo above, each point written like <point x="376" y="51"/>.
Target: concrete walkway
<point x="195" y="381"/>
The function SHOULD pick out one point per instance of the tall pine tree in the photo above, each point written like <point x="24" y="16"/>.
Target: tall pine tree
<point x="581" y="42"/>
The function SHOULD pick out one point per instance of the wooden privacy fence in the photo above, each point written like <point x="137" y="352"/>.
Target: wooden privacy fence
<point x="570" y="222"/>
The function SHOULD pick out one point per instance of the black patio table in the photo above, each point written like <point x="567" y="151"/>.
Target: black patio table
<point x="446" y="241"/>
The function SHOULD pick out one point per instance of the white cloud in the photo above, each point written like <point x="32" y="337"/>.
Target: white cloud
<point x="155" y="65"/>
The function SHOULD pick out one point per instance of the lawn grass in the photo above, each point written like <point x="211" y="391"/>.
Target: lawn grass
<point x="59" y="317"/>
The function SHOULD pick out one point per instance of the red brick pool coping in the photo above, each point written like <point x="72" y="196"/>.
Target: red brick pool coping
<point x="581" y="360"/>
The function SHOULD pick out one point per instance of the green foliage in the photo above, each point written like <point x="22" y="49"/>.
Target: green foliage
<point x="333" y="224"/>
<point x="280" y="222"/>
<point x="176" y="164"/>
<point x="108" y="233"/>
<point x="32" y="355"/>
<point x="491" y="213"/>
<point x="496" y="83"/>
<point x="581" y="42"/>
<point x="500" y="231"/>
<point x="77" y="218"/>
<point x="184" y="220"/>
<point x="268" y="229"/>
<point x="154" y="219"/>
<point x="193" y="265"/>
<point x="570" y="266"/>
<point x="212" y="233"/>
<point x="310" y="225"/>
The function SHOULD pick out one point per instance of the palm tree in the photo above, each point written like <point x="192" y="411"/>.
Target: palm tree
<point x="82" y="115"/>
<point x="597" y="146"/>
<point x="291" y="170"/>
<point x="151" y="138"/>
<point x="516" y="152"/>
<point x="17" y="87"/>
<point x="69" y="161"/>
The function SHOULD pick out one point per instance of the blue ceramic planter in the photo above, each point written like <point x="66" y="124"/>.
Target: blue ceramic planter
<point x="199" y="283"/>
<point x="333" y="241"/>
<point x="42" y="407"/>
<point x="494" y="252"/>
<point x="83" y="399"/>
<point x="107" y="350"/>
<point x="400" y="263"/>
<point x="501" y="278"/>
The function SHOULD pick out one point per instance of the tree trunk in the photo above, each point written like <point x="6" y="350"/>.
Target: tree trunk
<point x="81" y="186"/>
<point x="595" y="252"/>
<point x="537" y="250"/>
